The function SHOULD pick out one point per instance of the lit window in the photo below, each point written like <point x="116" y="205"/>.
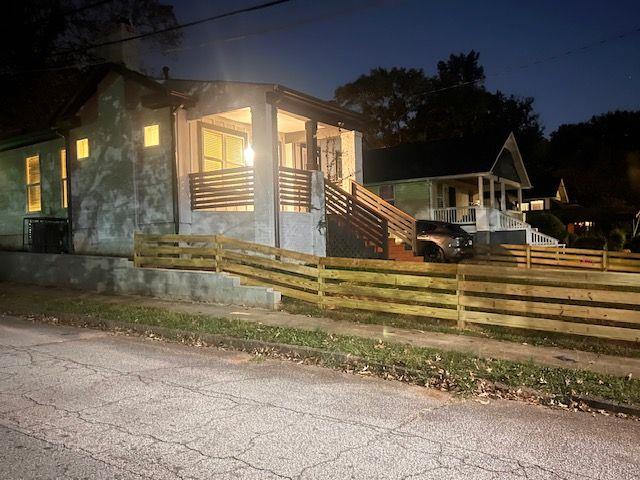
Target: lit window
<point x="221" y="151"/>
<point x="33" y="184"/>
<point x="151" y="135"/>
<point x="524" y="207"/>
<point x="537" y="204"/>
<point x="63" y="178"/>
<point x="82" y="148"/>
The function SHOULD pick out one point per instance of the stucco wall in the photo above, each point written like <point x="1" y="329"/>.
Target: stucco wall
<point x="122" y="187"/>
<point x="13" y="193"/>
<point x="119" y="276"/>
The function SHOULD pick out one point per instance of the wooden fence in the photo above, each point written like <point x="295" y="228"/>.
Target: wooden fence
<point x="528" y="256"/>
<point x="222" y="189"/>
<point x="598" y="304"/>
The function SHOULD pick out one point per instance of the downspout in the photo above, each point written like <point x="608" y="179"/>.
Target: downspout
<point x="174" y="168"/>
<point x="66" y="136"/>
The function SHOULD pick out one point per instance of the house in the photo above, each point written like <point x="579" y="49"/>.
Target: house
<point x="475" y="182"/>
<point x="547" y="193"/>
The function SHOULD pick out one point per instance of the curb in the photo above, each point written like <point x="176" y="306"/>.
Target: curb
<point x="337" y="358"/>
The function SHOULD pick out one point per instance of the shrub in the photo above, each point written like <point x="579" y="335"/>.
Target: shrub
<point x="549" y="224"/>
<point x="616" y="240"/>
<point x="590" y="242"/>
<point x="634" y="244"/>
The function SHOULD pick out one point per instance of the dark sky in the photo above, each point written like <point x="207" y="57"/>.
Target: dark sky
<point x="315" y="46"/>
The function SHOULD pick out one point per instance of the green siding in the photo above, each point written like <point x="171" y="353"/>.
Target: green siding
<point x="411" y="197"/>
<point x="13" y="195"/>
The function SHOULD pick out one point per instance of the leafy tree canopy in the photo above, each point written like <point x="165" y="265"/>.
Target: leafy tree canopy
<point x="406" y="105"/>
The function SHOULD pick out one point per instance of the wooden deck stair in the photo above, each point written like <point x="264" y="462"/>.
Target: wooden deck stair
<point x="401" y="252"/>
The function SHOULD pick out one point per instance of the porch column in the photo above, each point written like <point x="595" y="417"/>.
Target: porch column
<point x="492" y="193"/>
<point x="432" y="199"/>
<point x="480" y="191"/>
<point x="311" y="129"/>
<point x="351" y="150"/>
<point x="503" y="197"/>
<point x="264" y="129"/>
<point x="520" y="198"/>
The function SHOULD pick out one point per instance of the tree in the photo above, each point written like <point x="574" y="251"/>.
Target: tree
<point x="389" y="99"/>
<point x="35" y="79"/>
<point x="405" y="105"/>
<point x="33" y="33"/>
<point x="599" y="160"/>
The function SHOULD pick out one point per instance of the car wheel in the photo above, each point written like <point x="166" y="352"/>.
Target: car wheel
<point x="434" y="254"/>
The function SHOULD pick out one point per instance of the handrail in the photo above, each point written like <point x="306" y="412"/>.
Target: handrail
<point x="400" y="223"/>
<point x="368" y="224"/>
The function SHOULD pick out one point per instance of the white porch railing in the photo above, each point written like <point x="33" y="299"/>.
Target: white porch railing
<point x="507" y="222"/>
<point x="491" y="219"/>
<point x="540" y="239"/>
<point x="459" y="215"/>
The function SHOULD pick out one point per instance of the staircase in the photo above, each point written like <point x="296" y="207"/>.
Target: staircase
<point x="401" y="225"/>
<point x="401" y="252"/>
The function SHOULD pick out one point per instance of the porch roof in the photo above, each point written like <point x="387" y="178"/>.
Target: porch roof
<point x="453" y="157"/>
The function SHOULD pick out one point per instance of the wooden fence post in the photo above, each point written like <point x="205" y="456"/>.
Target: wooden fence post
<point x="528" y="256"/>
<point x="459" y="292"/>
<point x="218" y="257"/>
<point x="320" y="283"/>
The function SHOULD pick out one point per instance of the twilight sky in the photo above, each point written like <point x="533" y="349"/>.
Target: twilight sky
<point x="315" y="46"/>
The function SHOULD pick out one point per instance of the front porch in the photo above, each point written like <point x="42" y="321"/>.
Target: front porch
<point x="482" y="203"/>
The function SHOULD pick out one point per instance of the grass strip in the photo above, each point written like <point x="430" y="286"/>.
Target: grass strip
<point x="454" y="371"/>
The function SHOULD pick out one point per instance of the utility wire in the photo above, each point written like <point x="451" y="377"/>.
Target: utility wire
<point x="239" y="11"/>
<point x="292" y="24"/>
<point x="551" y="58"/>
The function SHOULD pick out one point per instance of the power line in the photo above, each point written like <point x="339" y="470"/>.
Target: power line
<point x="551" y="58"/>
<point x="254" y="8"/>
<point x="293" y="24"/>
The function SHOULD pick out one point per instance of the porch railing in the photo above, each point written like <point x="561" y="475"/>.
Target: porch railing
<point x="458" y="215"/>
<point x="401" y="224"/>
<point x="507" y="222"/>
<point x="365" y="222"/>
<point x="540" y="239"/>
<point x="222" y="189"/>
<point x="294" y="187"/>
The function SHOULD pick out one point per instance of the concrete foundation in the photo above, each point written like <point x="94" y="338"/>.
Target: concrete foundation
<point x="119" y="276"/>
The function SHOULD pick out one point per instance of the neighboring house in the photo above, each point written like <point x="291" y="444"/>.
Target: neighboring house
<point x="549" y="195"/>
<point x="125" y="153"/>
<point x="474" y="182"/>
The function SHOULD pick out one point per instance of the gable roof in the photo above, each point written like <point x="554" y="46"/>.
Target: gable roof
<point x="448" y="157"/>
<point x="547" y="186"/>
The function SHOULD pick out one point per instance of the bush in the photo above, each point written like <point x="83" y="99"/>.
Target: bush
<point x="549" y="224"/>
<point x="590" y="242"/>
<point x="616" y="240"/>
<point x="634" y="244"/>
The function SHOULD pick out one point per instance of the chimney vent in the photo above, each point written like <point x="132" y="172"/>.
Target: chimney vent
<point x="165" y="72"/>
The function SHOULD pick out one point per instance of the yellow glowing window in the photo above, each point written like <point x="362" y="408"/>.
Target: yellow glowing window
<point x="537" y="205"/>
<point x="82" y="148"/>
<point x="211" y="150"/>
<point x="34" y="201"/>
<point x="233" y="152"/>
<point x="151" y="135"/>
<point x="63" y="178"/>
<point x="525" y="207"/>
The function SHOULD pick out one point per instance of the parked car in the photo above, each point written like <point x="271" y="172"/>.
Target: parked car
<point x="443" y="242"/>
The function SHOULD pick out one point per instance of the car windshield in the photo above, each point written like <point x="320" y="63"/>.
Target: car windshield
<point x="455" y="229"/>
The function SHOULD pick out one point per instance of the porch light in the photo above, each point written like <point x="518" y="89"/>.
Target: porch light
<point x="248" y="156"/>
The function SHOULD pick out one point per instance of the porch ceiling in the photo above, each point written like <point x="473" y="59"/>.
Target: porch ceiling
<point x="287" y="122"/>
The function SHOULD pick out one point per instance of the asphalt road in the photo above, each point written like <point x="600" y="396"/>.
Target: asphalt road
<point x="79" y="403"/>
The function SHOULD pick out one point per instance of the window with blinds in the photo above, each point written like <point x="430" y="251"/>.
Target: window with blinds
<point x="151" y="135"/>
<point x="34" y="198"/>
<point x="221" y="150"/>
<point x="63" y="179"/>
<point x="82" y="148"/>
